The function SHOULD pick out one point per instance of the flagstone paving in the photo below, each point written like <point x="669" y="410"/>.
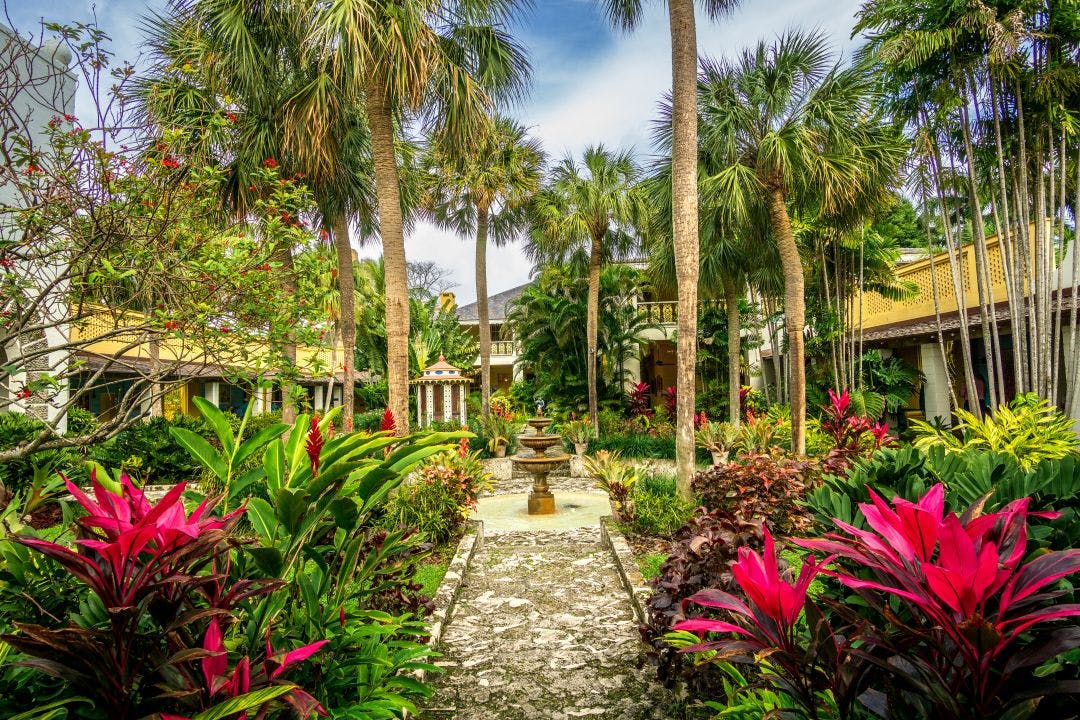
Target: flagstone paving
<point x="543" y="630"/>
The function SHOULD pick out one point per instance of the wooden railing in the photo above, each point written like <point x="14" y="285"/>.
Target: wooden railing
<point x="504" y="347"/>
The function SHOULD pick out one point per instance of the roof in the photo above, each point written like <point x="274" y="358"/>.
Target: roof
<point x="498" y="306"/>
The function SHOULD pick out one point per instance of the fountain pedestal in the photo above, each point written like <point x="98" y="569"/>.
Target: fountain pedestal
<point x="539" y="464"/>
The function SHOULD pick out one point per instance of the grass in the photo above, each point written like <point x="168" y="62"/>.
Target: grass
<point x="650" y="563"/>
<point x="658" y="510"/>
<point x="431" y="576"/>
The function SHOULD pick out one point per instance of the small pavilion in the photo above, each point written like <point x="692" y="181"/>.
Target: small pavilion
<point x="441" y="391"/>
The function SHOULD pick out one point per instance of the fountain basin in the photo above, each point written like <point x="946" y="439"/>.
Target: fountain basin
<point x="539" y="464"/>
<point x="539" y="443"/>
<point x="538" y="424"/>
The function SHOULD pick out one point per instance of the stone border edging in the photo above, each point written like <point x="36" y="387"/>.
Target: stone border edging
<point x="450" y="587"/>
<point x="625" y="564"/>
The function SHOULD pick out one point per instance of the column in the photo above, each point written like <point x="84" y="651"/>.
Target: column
<point x="447" y="401"/>
<point x="259" y="399"/>
<point x="212" y="392"/>
<point x="461" y="404"/>
<point x="429" y="388"/>
<point x="320" y="398"/>
<point x="1072" y="391"/>
<point x="936" y="387"/>
<point x="419" y="405"/>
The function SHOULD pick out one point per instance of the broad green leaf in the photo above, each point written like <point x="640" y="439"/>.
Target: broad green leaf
<point x="257" y="441"/>
<point x="51" y="711"/>
<point x="291" y="506"/>
<point x="202" y="451"/>
<point x="262" y="518"/>
<point x="268" y="559"/>
<point x="274" y="464"/>
<point x="251" y="700"/>
<point x="345" y="513"/>
<point x="218" y="421"/>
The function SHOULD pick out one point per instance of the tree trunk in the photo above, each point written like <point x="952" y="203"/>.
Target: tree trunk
<point x="388" y="193"/>
<point x="794" y="315"/>
<point x="684" y="194"/>
<point x="157" y="394"/>
<point x="347" y="294"/>
<point x="734" y="324"/>
<point x="482" y="309"/>
<point x="592" y="322"/>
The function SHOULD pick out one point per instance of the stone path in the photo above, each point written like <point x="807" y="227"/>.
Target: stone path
<point x="543" y="630"/>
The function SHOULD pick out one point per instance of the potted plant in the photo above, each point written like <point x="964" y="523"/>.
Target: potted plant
<point x="579" y="433"/>
<point x="718" y="438"/>
<point x="617" y="479"/>
<point x="498" y="433"/>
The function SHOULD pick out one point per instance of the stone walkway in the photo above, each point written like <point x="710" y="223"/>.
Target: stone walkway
<point x="543" y="630"/>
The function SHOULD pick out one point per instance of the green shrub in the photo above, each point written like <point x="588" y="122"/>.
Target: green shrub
<point x="636" y="445"/>
<point x="149" y="453"/>
<point x="658" y="509"/>
<point x="1029" y="429"/>
<point x="439" y="496"/>
<point x="367" y="421"/>
<point x="80" y="422"/>
<point x="16" y="475"/>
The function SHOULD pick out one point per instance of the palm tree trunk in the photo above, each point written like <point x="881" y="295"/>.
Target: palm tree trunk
<point x="734" y="324"/>
<point x="347" y="293"/>
<point x="684" y="193"/>
<point x="794" y="315"/>
<point x="482" y="309"/>
<point x="592" y="321"/>
<point x="388" y="194"/>
<point x="157" y="396"/>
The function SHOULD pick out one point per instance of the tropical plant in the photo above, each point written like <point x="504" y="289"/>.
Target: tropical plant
<point x="977" y="619"/>
<point x="594" y="207"/>
<point x="578" y="431"/>
<point x="616" y="478"/>
<point x="658" y="509"/>
<point x="852" y="434"/>
<point x="550" y="320"/>
<point x="499" y="429"/>
<point x="758" y="489"/>
<point x="759" y="435"/>
<point x="773" y="117"/>
<point x="718" y="438"/>
<point x="440" y="494"/>
<point x="1029" y="428"/>
<point x="148" y="568"/>
<point x="483" y="190"/>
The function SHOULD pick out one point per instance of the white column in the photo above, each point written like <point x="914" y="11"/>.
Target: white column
<point x="1072" y="392"/>
<point x="430" y="390"/>
<point x="461" y="403"/>
<point x="419" y="405"/>
<point x="212" y="392"/>
<point x="320" y="398"/>
<point x="259" y="399"/>
<point x="936" y="387"/>
<point x="633" y="372"/>
<point x="447" y="401"/>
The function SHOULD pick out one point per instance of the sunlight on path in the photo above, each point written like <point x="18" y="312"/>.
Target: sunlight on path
<point x="543" y="630"/>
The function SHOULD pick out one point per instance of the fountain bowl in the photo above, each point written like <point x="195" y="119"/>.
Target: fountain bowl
<point x="539" y="444"/>
<point x="539" y="464"/>
<point x="538" y="424"/>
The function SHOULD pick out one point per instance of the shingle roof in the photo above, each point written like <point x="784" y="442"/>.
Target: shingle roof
<point x="498" y="306"/>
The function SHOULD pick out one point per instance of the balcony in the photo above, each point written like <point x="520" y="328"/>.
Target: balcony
<point x="504" y="348"/>
<point x="665" y="312"/>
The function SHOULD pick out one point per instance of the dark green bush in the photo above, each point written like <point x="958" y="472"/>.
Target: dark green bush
<point x="148" y="452"/>
<point x="367" y="421"/>
<point x="80" y="422"/>
<point x="636" y="445"/>
<point x="15" y="475"/>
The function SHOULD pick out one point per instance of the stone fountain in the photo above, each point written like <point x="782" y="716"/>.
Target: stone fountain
<point x="539" y="463"/>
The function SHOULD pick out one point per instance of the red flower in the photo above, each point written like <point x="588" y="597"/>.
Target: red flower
<point x="23" y="393"/>
<point x="7" y="263"/>
<point x="231" y="117"/>
<point x="172" y="325"/>
<point x="323" y="234"/>
<point x="270" y="162"/>
<point x="170" y="162"/>
<point x="225" y="329"/>
<point x="31" y="169"/>
<point x="759" y="577"/>
<point x="69" y="118"/>
<point x="315" y="442"/>
<point x="252" y="188"/>
<point x="387" y="423"/>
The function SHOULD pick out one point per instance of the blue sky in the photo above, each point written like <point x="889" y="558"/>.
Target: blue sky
<point x="591" y="84"/>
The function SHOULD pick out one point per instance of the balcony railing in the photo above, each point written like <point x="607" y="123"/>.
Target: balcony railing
<point x="662" y="313"/>
<point x="504" y="347"/>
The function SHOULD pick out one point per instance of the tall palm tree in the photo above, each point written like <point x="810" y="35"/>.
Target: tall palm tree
<point x="440" y="61"/>
<point x="233" y="79"/>
<point x="598" y="206"/>
<point x="791" y="130"/>
<point x="483" y="190"/>
<point x="627" y="14"/>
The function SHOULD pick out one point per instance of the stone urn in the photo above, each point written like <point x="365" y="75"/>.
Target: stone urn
<point x="580" y="448"/>
<point x="720" y="458"/>
<point x="500" y="450"/>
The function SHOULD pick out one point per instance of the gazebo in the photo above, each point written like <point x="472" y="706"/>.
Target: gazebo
<point x="441" y="390"/>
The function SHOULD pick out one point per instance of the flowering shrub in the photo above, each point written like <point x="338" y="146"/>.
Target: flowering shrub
<point x="758" y="489"/>
<point x="639" y="400"/>
<point x="853" y="435"/>
<point x="956" y="624"/>
<point x="440" y="495"/>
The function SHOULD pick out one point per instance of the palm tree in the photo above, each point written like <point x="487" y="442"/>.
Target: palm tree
<point x="483" y="190"/>
<point x="789" y="128"/>
<point x="597" y="206"/>
<point x="443" y="61"/>
<point x="233" y="80"/>
<point x="684" y="66"/>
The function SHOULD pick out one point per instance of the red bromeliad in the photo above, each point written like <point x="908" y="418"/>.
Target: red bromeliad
<point x="314" y="445"/>
<point x="387" y="424"/>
